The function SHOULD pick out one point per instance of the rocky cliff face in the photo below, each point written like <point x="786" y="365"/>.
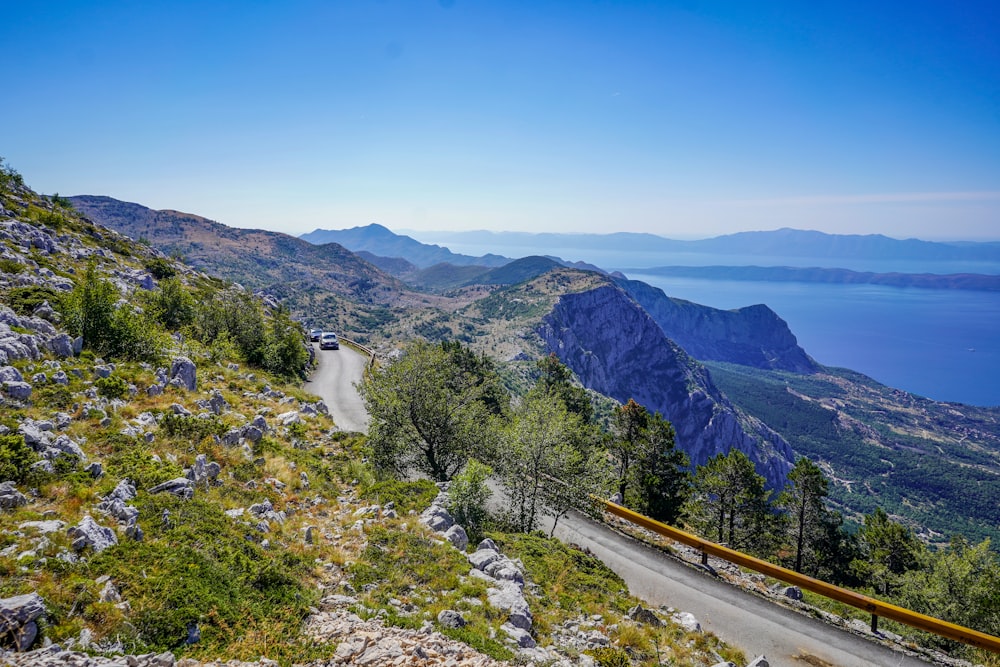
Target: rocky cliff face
<point x="752" y="336"/>
<point x="616" y="348"/>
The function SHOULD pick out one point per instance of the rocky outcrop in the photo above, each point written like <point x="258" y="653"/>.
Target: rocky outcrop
<point x="752" y="336"/>
<point x="616" y="348"/>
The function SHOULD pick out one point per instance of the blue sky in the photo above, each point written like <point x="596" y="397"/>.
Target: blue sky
<point x="686" y="119"/>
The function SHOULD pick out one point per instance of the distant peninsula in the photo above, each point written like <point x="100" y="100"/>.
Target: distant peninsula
<point x="953" y="281"/>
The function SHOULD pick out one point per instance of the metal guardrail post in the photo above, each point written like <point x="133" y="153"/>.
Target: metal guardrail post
<point x="874" y="607"/>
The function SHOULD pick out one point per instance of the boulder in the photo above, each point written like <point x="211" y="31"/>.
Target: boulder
<point x="456" y="535"/>
<point x="687" y="621"/>
<point x="184" y="369"/>
<point x="10" y="497"/>
<point x="519" y="636"/>
<point x="449" y="618"/>
<point x="17" y="618"/>
<point x="640" y="614"/>
<point x="181" y="487"/>
<point x="60" y="345"/>
<point x="19" y="391"/>
<point x="88" y="533"/>
<point x="759" y="661"/>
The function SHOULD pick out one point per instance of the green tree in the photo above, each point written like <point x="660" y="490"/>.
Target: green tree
<point x="730" y="503"/>
<point x="888" y="550"/>
<point x="651" y="471"/>
<point x="425" y="414"/>
<point x="556" y="379"/>
<point x="108" y="328"/>
<point x="549" y="463"/>
<point x="468" y="496"/>
<point x="173" y="306"/>
<point x="285" y="352"/>
<point x="802" y="500"/>
<point x="483" y="369"/>
<point x="960" y="584"/>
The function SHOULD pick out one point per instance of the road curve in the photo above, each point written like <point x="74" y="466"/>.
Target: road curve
<point x="333" y="381"/>
<point x="757" y="626"/>
<point x="787" y="638"/>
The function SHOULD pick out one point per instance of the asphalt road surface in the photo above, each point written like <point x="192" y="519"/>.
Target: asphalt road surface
<point x="333" y="381"/>
<point x="787" y="638"/>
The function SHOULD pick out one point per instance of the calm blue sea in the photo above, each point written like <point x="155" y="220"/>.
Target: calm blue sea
<point x="942" y="344"/>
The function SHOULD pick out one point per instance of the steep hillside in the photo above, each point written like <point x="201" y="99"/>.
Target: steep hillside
<point x="615" y="348"/>
<point x="937" y="465"/>
<point x="752" y="336"/>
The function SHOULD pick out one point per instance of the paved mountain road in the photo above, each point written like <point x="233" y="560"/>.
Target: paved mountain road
<point x="333" y="381"/>
<point x="758" y="627"/>
<point x="787" y="638"/>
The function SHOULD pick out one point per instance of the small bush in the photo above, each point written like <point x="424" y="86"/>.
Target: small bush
<point x="11" y="265"/>
<point x="57" y="396"/>
<point x="113" y="386"/>
<point x="415" y="495"/>
<point x="24" y="300"/>
<point x="15" y="458"/>
<point x="191" y="427"/>
<point x="160" y="268"/>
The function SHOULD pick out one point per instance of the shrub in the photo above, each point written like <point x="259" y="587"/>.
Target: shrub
<point x="113" y="386"/>
<point x="24" y="300"/>
<point x="160" y="268"/>
<point x="114" y="331"/>
<point x="15" y="458"/>
<point x="56" y="396"/>
<point x="415" y="495"/>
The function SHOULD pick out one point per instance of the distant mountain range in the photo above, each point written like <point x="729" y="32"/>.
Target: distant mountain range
<point x="778" y="243"/>
<point x="382" y="242"/>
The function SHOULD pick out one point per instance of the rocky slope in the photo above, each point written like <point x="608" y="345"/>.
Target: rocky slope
<point x="751" y="336"/>
<point x="617" y="349"/>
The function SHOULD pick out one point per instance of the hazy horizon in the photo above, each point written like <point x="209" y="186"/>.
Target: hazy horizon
<point x="684" y="119"/>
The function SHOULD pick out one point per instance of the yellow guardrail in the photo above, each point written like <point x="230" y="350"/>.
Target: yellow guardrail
<point x="360" y="348"/>
<point x="875" y="607"/>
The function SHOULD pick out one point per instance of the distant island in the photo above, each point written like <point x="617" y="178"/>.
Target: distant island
<point x="954" y="281"/>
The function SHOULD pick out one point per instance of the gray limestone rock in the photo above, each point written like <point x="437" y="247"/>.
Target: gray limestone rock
<point x="65" y="445"/>
<point x="60" y="345"/>
<point x="437" y="518"/>
<point x="519" y="636"/>
<point x="483" y="557"/>
<point x="640" y="614"/>
<point x="17" y="618"/>
<point x="10" y="497"/>
<point x="449" y="618"/>
<point x="19" y="391"/>
<point x="184" y="369"/>
<point x="686" y="620"/>
<point x="179" y="486"/>
<point x="456" y="535"/>
<point x="89" y="533"/>
<point x="759" y="661"/>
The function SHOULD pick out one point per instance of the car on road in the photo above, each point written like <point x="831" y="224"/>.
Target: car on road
<point x="329" y="341"/>
<point x="314" y="335"/>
